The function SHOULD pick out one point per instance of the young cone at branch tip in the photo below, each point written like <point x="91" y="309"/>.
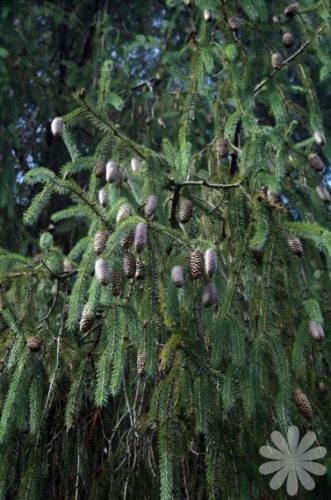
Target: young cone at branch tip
<point x="210" y="262"/>
<point x="316" y="162"/>
<point x="127" y="240"/>
<point x="99" y="168"/>
<point x="140" y="237"/>
<point x="103" y="197"/>
<point x="177" y="276"/>
<point x="129" y="265"/>
<point x="185" y="211"/>
<point x="57" y="126"/>
<point x="34" y="344"/>
<point x="140" y="270"/>
<point x="115" y="283"/>
<point x="277" y="60"/>
<point x="151" y="205"/>
<point x="86" y="320"/>
<point x="113" y="173"/>
<point x="102" y="272"/>
<point x="206" y="15"/>
<point x="288" y="39"/>
<point x="302" y="404"/>
<point x="141" y="363"/>
<point x="316" y="330"/>
<point x="234" y="23"/>
<point x="295" y="245"/>
<point x="319" y="138"/>
<point x="100" y="240"/>
<point x="323" y="193"/>
<point x="209" y="295"/>
<point x="135" y="164"/>
<point x="222" y="148"/>
<point x="291" y="10"/>
<point x="196" y="265"/>
<point x="124" y="211"/>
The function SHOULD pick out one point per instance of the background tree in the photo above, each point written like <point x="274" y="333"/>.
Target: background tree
<point x="175" y="318"/>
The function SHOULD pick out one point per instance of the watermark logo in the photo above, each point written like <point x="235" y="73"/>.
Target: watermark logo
<point x="293" y="460"/>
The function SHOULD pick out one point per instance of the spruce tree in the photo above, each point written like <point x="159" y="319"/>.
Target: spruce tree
<point x="192" y="317"/>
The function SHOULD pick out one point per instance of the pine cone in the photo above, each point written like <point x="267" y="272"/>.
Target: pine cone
<point x="323" y="193"/>
<point x="288" y="39"/>
<point x="210" y="262"/>
<point x="100" y="239"/>
<point x="222" y="148"/>
<point x="103" y="197"/>
<point x="34" y="344"/>
<point x="302" y="404"/>
<point x="86" y="320"/>
<point x="196" y="265"/>
<point x="234" y="23"/>
<point x="276" y="60"/>
<point x="291" y="10"/>
<point x="140" y="270"/>
<point x="124" y="211"/>
<point x="127" y="240"/>
<point x="141" y="363"/>
<point x="209" y="295"/>
<point x="319" y="138"/>
<point x="113" y="173"/>
<point x="67" y="265"/>
<point x="129" y="265"/>
<point x="57" y="126"/>
<point x="316" y="330"/>
<point x="206" y="15"/>
<point x="135" y="164"/>
<point x="274" y="199"/>
<point x="151" y="205"/>
<point x="296" y="246"/>
<point x="102" y="271"/>
<point x="115" y="283"/>
<point x="99" y="168"/>
<point x="140" y="237"/>
<point x="177" y="276"/>
<point x="185" y="211"/>
<point x="316" y="162"/>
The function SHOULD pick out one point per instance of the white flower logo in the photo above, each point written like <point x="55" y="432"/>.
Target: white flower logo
<point x="292" y="460"/>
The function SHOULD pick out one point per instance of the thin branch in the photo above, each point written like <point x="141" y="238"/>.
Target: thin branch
<point x="205" y="183"/>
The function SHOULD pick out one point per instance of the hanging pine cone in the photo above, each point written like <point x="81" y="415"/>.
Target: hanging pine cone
<point x="113" y="173"/>
<point x="302" y="404"/>
<point x="177" y="276"/>
<point x="209" y="295"/>
<point x="206" y="15"/>
<point x="185" y="211"/>
<point x="319" y="138"/>
<point x="288" y="39"/>
<point x="129" y="265"/>
<point x="102" y="271"/>
<point x="291" y="10"/>
<point x="86" y="320"/>
<point x="57" y="126"/>
<point x="100" y="239"/>
<point x="323" y="193"/>
<point x="140" y="270"/>
<point x="115" y="283"/>
<point x="99" y="168"/>
<point x="103" y="197"/>
<point x="316" y="330"/>
<point x="135" y="164"/>
<point x="127" y="240"/>
<point x="295" y="245"/>
<point x="124" y="211"/>
<point x="222" y="148"/>
<point x="196" y="265"/>
<point x="34" y="344"/>
<point x="151" y="205"/>
<point x="276" y="60"/>
<point x="316" y="162"/>
<point x="234" y="23"/>
<point x="210" y="262"/>
<point x="67" y="265"/>
<point x="274" y="199"/>
<point x="140" y="237"/>
<point x="141" y="363"/>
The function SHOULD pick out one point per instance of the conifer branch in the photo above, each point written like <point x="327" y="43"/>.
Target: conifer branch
<point x="260" y="85"/>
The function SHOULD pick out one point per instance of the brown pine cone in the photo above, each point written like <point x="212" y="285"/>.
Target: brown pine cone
<point x="99" y="169"/>
<point x="115" y="279"/>
<point x="323" y="193"/>
<point x="127" y="240"/>
<point x="196" y="265"/>
<point x="141" y="363"/>
<point x="100" y="240"/>
<point x="222" y="148"/>
<point x="302" y="403"/>
<point x="316" y="162"/>
<point x="295" y="245"/>
<point x="185" y="211"/>
<point x="34" y="344"/>
<point x="316" y="330"/>
<point x="277" y="60"/>
<point x="288" y="39"/>
<point x="86" y="320"/>
<point x="140" y="270"/>
<point x="129" y="265"/>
